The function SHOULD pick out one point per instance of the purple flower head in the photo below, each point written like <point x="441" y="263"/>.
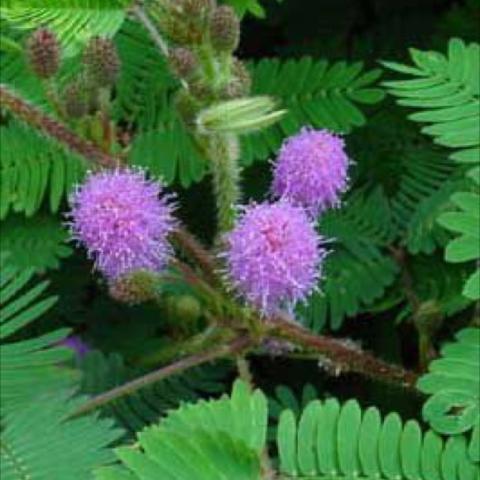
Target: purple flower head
<point x="274" y="255"/>
<point x="123" y="221"/>
<point x="311" y="170"/>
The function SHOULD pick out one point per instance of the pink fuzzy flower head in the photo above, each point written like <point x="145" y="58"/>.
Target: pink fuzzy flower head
<point x="274" y="255"/>
<point x="311" y="170"/>
<point x="123" y="221"/>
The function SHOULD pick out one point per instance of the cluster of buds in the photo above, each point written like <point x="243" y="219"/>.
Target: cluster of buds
<point x="81" y="96"/>
<point x="204" y="35"/>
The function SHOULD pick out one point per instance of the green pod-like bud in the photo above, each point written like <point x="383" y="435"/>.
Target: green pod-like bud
<point x="224" y="29"/>
<point x="135" y="288"/>
<point x="43" y="52"/>
<point x="239" y="116"/>
<point x="102" y="63"/>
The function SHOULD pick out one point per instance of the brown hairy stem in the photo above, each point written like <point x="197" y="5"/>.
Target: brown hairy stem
<point x="193" y="249"/>
<point x="236" y="346"/>
<point x="343" y="355"/>
<point x="51" y="127"/>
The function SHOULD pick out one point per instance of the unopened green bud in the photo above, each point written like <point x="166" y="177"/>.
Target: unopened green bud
<point x="135" y="288"/>
<point x="188" y="309"/>
<point x="241" y="82"/>
<point x="101" y="61"/>
<point x="239" y="116"/>
<point x="183" y="62"/>
<point x="224" y="29"/>
<point x="44" y="53"/>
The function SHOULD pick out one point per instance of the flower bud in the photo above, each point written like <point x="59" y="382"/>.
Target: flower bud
<point x="184" y="21"/>
<point x="44" y="53"/>
<point x="183" y="61"/>
<point x="224" y="29"/>
<point x="76" y="99"/>
<point x="241" y="82"/>
<point x="239" y="116"/>
<point x="101" y="61"/>
<point x="134" y="289"/>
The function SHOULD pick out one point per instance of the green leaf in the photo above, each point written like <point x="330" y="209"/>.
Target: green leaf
<point x="454" y="386"/>
<point x="40" y="443"/>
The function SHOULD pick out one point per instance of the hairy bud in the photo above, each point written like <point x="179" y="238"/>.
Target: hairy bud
<point x="76" y="99"/>
<point x="133" y="289"/>
<point x="224" y="29"/>
<point x="184" y="21"/>
<point x="44" y="53"/>
<point x="241" y="82"/>
<point x="183" y="61"/>
<point x="101" y="61"/>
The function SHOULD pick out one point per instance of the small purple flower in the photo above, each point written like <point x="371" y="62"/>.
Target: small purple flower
<point x="311" y="170"/>
<point x="274" y="255"/>
<point x="75" y="343"/>
<point x="123" y="221"/>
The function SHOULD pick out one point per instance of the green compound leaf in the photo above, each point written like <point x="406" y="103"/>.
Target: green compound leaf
<point x="74" y="21"/>
<point x="39" y="442"/>
<point x="330" y="441"/>
<point x="28" y="368"/>
<point x="215" y="440"/>
<point x="454" y="388"/>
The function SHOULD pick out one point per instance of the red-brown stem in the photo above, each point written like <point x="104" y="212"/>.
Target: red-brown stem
<point x="236" y="346"/>
<point x="48" y="125"/>
<point x="342" y="355"/>
<point x="193" y="249"/>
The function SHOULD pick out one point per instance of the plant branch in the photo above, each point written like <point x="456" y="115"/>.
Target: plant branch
<point x="193" y="249"/>
<point x="343" y="356"/>
<point x="51" y="127"/>
<point x="236" y="346"/>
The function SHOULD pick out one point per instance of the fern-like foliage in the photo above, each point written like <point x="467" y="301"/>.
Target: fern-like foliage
<point x="102" y="372"/>
<point x="333" y="441"/>
<point x="454" y="388"/>
<point x="315" y="93"/>
<point x="224" y="439"/>
<point x="28" y="368"/>
<point x="448" y="93"/>
<point x="74" y="21"/>
<point x="357" y="272"/>
<point x="39" y="442"/>
<point x="447" y="90"/>
<point x="34" y="168"/>
<point x="38" y="243"/>
<point x="212" y="440"/>
<point x="465" y="222"/>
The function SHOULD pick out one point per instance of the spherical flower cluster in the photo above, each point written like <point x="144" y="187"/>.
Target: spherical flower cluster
<point x="274" y="255"/>
<point x="311" y="170"/>
<point x="123" y="221"/>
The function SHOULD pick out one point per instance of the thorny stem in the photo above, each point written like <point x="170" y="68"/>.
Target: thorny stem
<point x="48" y="125"/>
<point x="236" y="346"/>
